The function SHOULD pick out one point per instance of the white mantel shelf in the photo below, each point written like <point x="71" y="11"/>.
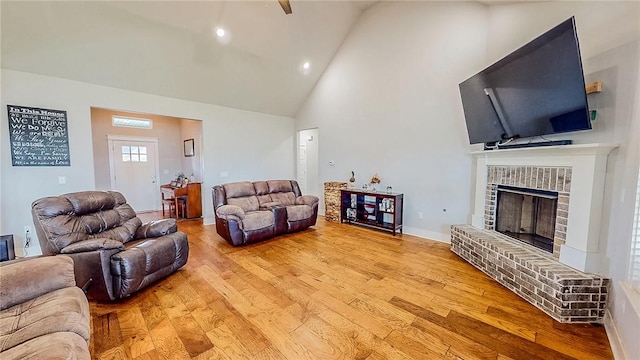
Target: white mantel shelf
<point x="577" y="149"/>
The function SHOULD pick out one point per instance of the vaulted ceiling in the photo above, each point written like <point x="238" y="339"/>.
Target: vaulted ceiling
<point x="170" y="48"/>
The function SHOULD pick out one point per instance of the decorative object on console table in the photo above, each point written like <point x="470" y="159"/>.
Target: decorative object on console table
<point x="372" y="209"/>
<point x="352" y="180"/>
<point x="332" y="200"/>
<point x="375" y="179"/>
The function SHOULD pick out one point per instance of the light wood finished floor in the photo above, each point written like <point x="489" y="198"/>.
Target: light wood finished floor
<point x="331" y="292"/>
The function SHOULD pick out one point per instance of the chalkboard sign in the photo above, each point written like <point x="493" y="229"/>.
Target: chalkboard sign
<point x="38" y="137"/>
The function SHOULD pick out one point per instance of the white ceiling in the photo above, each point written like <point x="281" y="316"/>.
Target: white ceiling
<point x="169" y="48"/>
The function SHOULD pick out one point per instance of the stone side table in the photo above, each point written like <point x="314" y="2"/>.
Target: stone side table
<point x="332" y="200"/>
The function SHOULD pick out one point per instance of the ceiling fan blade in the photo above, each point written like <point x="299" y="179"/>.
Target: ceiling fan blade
<point x="286" y="6"/>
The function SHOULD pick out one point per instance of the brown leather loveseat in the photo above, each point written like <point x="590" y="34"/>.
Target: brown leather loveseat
<point x="114" y="253"/>
<point x="248" y="212"/>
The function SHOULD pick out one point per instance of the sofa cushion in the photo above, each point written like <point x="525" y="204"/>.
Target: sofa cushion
<point x="299" y="212"/>
<point x="264" y="199"/>
<point x="78" y="216"/>
<point x="279" y="186"/>
<point x="61" y="310"/>
<point x="269" y="205"/>
<point x="45" y="274"/>
<point x="239" y="189"/>
<point x="246" y="203"/>
<point x="284" y="198"/>
<point x="60" y="345"/>
<point x="257" y="220"/>
<point x="262" y="188"/>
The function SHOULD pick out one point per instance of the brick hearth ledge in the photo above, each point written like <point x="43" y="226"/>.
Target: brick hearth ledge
<point x="565" y="294"/>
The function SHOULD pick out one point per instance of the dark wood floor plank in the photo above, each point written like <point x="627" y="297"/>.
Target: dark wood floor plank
<point x="193" y="338"/>
<point x="499" y="340"/>
<point x="435" y="325"/>
<point x="106" y="332"/>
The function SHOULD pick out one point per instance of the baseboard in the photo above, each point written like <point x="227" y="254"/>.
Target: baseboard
<point x="428" y="235"/>
<point x="614" y="338"/>
<point x="208" y="220"/>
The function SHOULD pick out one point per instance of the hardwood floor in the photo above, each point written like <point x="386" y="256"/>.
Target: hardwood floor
<point x="331" y="292"/>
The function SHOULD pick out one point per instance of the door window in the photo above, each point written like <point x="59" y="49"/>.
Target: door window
<point x="134" y="153"/>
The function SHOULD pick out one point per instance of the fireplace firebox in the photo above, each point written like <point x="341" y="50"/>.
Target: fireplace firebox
<point x="528" y="215"/>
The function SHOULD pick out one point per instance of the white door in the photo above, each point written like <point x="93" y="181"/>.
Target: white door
<point x="134" y="172"/>
<point x="302" y="168"/>
<point x="308" y="178"/>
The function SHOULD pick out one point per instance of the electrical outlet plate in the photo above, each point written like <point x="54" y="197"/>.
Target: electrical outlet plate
<point x="28" y="236"/>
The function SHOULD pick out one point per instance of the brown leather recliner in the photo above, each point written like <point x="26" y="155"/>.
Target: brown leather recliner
<point x="248" y="212"/>
<point x="114" y="253"/>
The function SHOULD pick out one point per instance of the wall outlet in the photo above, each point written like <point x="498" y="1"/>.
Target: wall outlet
<point x="28" y="236"/>
<point x="224" y="174"/>
<point x="62" y="179"/>
<point x="420" y="215"/>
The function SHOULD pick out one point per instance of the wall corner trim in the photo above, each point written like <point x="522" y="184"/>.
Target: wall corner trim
<point x="614" y="337"/>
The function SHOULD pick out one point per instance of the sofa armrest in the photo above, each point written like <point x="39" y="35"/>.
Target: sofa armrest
<point x="92" y="245"/>
<point x="156" y="228"/>
<point x="230" y="211"/>
<point x="307" y="200"/>
<point x="29" y="279"/>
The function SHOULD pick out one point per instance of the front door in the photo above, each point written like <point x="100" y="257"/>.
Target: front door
<point x="135" y="171"/>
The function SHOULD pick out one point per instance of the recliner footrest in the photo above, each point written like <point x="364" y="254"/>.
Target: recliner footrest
<point x="146" y="261"/>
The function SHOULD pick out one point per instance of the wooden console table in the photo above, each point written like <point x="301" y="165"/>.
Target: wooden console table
<point x="192" y="194"/>
<point x="373" y="209"/>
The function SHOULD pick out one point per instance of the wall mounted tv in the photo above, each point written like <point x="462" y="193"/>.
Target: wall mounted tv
<point x="538" y="89"/>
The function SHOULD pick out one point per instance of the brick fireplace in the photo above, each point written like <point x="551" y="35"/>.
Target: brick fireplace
<point x="536" y="178"/>
<point x="566" y="281"/>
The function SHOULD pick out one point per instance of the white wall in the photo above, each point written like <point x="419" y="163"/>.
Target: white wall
<point x="192" y="129"/>
<point x="608" y="32"/>
<point x="247" y="145"/>
<point x="389" y="104"/>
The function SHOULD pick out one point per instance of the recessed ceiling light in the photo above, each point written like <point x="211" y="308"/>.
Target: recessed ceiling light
<point x="306" y="65"/>
<point x="220" y="32"/>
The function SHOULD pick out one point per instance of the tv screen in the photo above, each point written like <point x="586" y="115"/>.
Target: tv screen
<point x="536" y="90"/>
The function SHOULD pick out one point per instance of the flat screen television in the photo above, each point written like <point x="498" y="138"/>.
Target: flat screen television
<point x="538" y="89"/>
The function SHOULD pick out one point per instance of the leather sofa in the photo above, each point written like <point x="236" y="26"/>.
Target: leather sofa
<point x="43" y="315"/>
<point x="249" y="212"/>
<point x="114" y="253"/>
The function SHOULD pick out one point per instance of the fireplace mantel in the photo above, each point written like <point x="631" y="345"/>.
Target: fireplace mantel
<point x="588" y="166"/>
<point x="561" y="150"/>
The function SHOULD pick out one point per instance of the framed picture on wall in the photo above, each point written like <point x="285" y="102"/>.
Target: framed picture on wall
<point x="188" y="148"/>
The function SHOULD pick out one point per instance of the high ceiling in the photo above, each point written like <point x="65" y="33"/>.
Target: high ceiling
<point x="170" y="48"/>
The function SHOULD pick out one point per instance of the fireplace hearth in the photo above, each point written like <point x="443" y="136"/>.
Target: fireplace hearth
<point x="537" y="184"/>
